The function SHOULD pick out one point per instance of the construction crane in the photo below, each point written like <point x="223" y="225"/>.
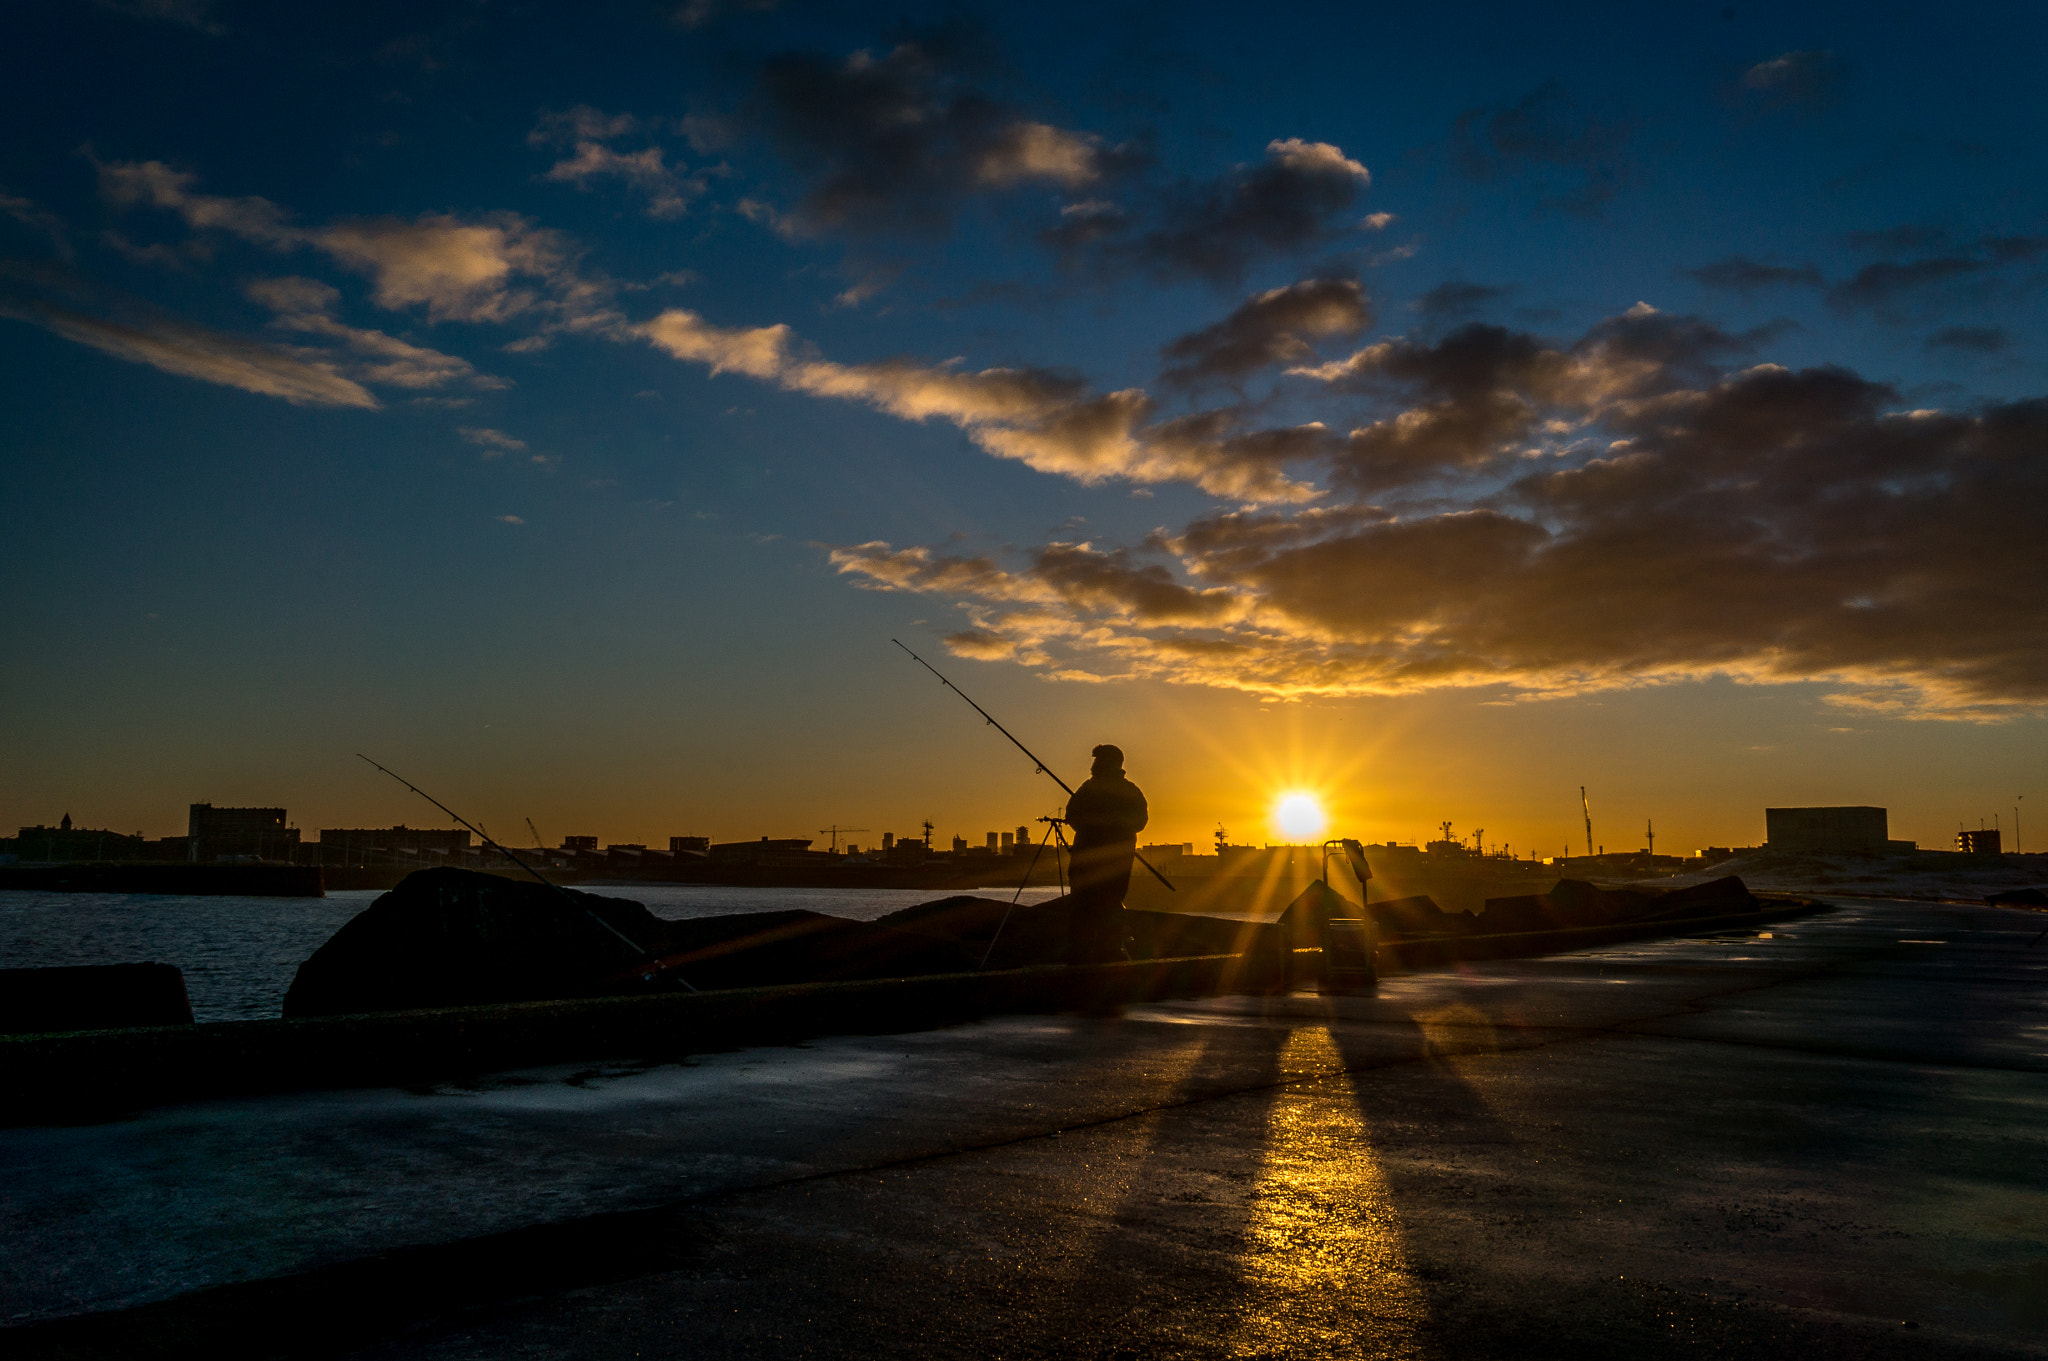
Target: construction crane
<point x="836" y="832"/>
<point x="1650" y="831"/>
<point x="538" y="844"/>
<point x="927" y="824"/>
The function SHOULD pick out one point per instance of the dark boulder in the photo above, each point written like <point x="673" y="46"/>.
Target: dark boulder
<point x="450" y="937"/>
<point x="2018" y="897"/>
<point x="1417" y="917"/>
<point x="92" y="997"/>
<point x="1727" y="896"/>
<point x="1029" y="934"/>
<point x="762" y="949"/>
<point x="1022" y="934"/>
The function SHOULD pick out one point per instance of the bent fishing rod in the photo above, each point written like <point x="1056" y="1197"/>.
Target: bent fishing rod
<point x="486" y="838"/>
<point x="1042" y="767"/>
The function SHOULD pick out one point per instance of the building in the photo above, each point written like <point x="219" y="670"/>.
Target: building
<point x="1979" y="842"/>
<point x="401" y="839"/>
<point x="689" y="845"/>
<point x="65" y="842"/>
<point x="768" y="852"/>
<point x="579" y="843"/>
<point x="234" y="833"/>
<point x="1826" y="830"/>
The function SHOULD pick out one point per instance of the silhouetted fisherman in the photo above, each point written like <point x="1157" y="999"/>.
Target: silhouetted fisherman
<point x="1106" y="814"/>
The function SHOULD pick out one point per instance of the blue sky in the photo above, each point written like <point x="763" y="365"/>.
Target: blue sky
<point x="1441" y="409"/>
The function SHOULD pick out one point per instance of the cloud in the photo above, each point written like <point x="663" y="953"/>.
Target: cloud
<point x="2013" y="249"/>
<point x="980" y="645"/>
<point x="1977" y="339"/>
<point x="1798" y="79"/>
<point x="1484" y="396"/>
<point x="306" y="305"/>
<point x="171" y="346"/>
<point x="37" y="219"/>
<point x="1575" y="161"/>
<point x="587" y="131"/>
<point x="493" y="442"/>
<point x="1882" y="282"/>
<point x="1682" y="518"/>
<point x="508" y="519"/>
<point x="1302" y="195"/>
<point x="1274" y="327"/>
<point x="668" y="193"/>
<point x="582" y="123"/>
<point x="131" y="184"/>
<point x="492" y="268"/>
<point x="895" y="142"/>
<point x="1047" y="420"/>
<point x="457" y="270"/>
<point x="1456" y="299"/>
<point x="1739" y="275"/>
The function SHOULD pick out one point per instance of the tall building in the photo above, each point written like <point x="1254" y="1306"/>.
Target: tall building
<point x="213" y="833"/>
<point x="1825" y="830"/>
<point x="1979" y="842"/>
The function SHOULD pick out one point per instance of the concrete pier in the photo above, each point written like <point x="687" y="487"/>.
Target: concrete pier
<point x="1826" y="1141"/>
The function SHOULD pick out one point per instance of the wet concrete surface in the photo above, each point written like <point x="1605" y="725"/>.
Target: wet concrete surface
<point x="1736" y="1146"/>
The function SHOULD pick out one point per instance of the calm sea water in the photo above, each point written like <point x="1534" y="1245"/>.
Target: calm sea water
<point x="239" y="954"/>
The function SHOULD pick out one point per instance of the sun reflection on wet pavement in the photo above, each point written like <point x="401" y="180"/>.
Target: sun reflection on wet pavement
<point x="1323" y="1250"/>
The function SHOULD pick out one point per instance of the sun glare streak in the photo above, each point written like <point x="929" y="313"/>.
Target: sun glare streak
<point x="1323" y="1242"/>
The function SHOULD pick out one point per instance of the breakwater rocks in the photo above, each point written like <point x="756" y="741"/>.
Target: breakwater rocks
<point x="234" y="881"/>
<point x="1572" y="903"/>
<point x="449" y="937"/>
<point x="92" y="997"/>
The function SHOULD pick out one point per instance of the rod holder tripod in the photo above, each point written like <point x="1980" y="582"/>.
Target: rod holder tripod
<point x="1348" y="942"/>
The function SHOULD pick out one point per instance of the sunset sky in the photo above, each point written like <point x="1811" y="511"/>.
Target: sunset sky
<point x="1438" y="408"/>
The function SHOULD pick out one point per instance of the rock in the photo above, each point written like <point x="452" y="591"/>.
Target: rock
<point x="1411" y="918"/>
<point x="92" y="997"/>
<point x="2018" y="897"/>
<point x="451" y="937"/>
<point x="1723" y="897"/>
<point x="761" y="949"/>
<point x="1039" y="933"/>
<point x="1574" y="902"/>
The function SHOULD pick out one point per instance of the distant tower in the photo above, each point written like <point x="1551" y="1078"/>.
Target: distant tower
<point x="65" y="825"/>
<point x="1587" y="809"/>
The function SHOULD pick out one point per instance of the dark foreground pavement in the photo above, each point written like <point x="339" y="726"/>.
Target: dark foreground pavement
<point x="1830" y="1142"/>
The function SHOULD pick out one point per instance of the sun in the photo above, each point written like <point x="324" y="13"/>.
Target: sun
<point x="1300" y="817"/>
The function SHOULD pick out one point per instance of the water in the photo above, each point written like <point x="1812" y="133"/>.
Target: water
<point x="239" y="954"/>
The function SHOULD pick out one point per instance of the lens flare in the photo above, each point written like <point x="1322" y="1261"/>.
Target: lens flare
<point x="1300" y="817"/>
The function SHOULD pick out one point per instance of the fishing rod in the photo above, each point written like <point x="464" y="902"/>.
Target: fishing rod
<point x="486" y="838"/>
<point x="1042" y="768"/>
